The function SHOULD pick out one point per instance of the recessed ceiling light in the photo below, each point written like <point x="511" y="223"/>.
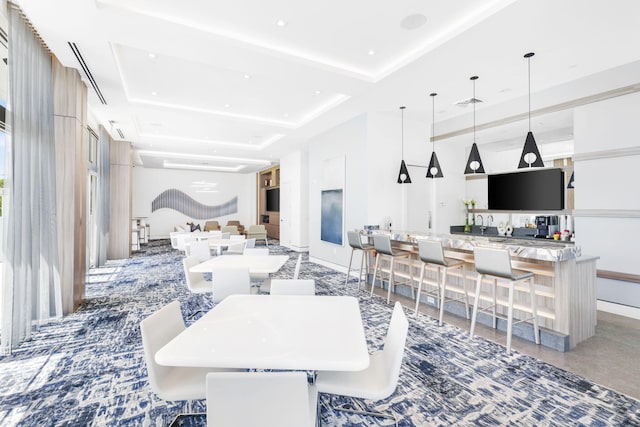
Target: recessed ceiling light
<point x="247" y="76"/>
<point x="317" y="92"/>
<point x="154" y="93"/>
<point x="152" y="55"/>
<point x="371" y="52"/>
<point x="411" y="22"/>
<point x="285" y="115"/>
<point x="227" y="105"/>
<point x="281" y="23"/>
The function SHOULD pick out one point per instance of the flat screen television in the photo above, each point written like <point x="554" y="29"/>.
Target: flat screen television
<point x="530" y="190"/>
<point x="273" y="200"/>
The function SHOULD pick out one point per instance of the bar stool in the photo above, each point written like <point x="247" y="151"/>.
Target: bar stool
<point x="382" y="245"/>
<point x="356" y="244"/>
<point x="431" y="252"/>
<point x="496" y="264"/>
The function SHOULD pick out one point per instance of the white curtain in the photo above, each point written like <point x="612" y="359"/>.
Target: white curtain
<point x="31" y="289"/>
<point x="102" y="196"/>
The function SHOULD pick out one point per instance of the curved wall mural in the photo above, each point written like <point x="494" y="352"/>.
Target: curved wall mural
<point x="183" y="203"/>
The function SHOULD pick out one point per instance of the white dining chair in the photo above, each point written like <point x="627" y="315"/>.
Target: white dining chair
<point x="293" y="287"/>
<point x="250" y="399"/>
<point x="250" y="244"/>
<point x="236" y="248"/>
<point x="195" y="281"/>
<point x="230" y="281"/>
<point x="296" y="271"/>
<point x="256" y="251"/>
<point x="170" y="383"/>
<point x="199" y="249"/>
<point x="380" y="379"/>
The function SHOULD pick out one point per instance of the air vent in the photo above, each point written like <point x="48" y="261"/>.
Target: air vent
<point x="120" y="133"/>
<point x="87" y="71"/>
<point x="468" y="101"/>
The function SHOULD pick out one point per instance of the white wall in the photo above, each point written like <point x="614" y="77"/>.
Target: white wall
<point x="348" y="140"/>
<point x="609" y="183"/>
<point x="294" y="201"/>
<point x="149" y="183"/>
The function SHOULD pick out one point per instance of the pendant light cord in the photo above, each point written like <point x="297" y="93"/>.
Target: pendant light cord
<point x="529" y="76"/>
<point x="402" y="130"/>
<point x="474" y="107"/>
<point x="433" y="122"/>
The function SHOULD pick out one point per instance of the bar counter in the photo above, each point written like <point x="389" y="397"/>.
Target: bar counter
<point x="565" y="282"/>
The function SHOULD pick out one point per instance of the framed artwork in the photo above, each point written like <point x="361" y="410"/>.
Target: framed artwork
<point x="332" y="201"/>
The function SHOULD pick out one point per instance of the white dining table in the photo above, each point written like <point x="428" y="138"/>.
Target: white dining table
<point x="274" y="332"/>
<point x="257" y="264"/>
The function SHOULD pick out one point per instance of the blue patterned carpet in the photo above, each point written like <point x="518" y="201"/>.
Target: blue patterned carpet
<point x="88" y="368"/>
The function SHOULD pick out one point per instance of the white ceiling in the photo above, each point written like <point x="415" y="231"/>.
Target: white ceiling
<point x="221" y="84"/>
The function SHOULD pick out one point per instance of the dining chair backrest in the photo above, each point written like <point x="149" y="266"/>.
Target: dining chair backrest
<point x="199" y="249"/>
<point x="393" y="349"/>
<point x="256" y="251"/>
<point x="193" y="280"/>
<point x="355" y="239"/>
<point x="430" y="251"/>
<point x="231" y="229"/>
<point x="251" y="243"/>
<point x="174" y="238"/>
<point x="237" y="247"/>
<point x="496" y="262"/>
<point x="296" y="272"/>
<point x="249" y="399"/>
<point x="230" y="281"/>
<point x="185" y="238"/>
<point x="156" y="331"/>
<point x="215" y="234"/>
<point x="225" y="235"/>
<point x="236" y="237"/>
<point x="382" y="244"/>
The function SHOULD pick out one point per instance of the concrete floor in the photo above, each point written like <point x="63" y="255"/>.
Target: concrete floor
<point x="609" y="358"/>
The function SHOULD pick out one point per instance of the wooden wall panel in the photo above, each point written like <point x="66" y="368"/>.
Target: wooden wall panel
<point x="120" y="201"/>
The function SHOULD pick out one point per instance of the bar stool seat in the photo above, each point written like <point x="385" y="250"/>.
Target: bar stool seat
<point x="496" y="264"/>
<point x="431" y="252"/>
<point x="356" y="244"/>
<point x="382" y="245"/>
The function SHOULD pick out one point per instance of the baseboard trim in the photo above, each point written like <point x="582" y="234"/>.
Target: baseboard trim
<point x="619" y="309"/>
<point x="340" y="268"/>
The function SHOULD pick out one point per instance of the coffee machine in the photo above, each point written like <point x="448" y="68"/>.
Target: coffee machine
<point x="546" y="226"/>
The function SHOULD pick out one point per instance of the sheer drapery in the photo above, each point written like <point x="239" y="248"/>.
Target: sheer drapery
<point x="102" y="197"/>
<point x="32" y="293"/>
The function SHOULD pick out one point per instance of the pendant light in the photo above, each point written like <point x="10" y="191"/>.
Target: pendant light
<point x="403" y="175"/>
<point x="474" y="162"/>
<point x="433" y="170"/>
<point x="570" y="185"/>
<point x="530" y="156"/>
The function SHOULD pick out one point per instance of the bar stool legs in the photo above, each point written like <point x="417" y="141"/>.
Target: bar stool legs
<point x="363" y="260"/>
<point x="443" y="290"/>
<point x="510" y="322"/>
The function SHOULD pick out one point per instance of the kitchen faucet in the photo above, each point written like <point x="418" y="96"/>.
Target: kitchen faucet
<point x="489" y="220"/>
<point x="479" y="217"/>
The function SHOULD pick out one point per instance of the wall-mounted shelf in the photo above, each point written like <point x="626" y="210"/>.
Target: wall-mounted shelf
<point x="540" y="212"/>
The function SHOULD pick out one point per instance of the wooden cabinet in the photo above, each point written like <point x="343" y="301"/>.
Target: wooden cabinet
<point x="268" y="201"/>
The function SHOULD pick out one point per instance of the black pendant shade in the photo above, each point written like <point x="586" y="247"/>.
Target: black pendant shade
<point x="403" y="175"/>
<point x="570" y="184"/>
<point x="434" y="170"/>
<point x="530" y="155"/>
<point x="474" y="162"/>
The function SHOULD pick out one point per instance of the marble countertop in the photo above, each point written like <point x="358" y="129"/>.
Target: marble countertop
<point x="530" y="249"/>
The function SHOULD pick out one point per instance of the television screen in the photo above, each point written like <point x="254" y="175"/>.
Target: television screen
<point x="273" y="200"/>
<point x="531" y="190"/>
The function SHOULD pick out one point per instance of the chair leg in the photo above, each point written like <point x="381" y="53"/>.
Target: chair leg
<point x="375" y="273"/>
<point x="419" y="288"/>
<point x="510" y="317"/>
<point x="443" y="290"/>
<point x="364" y="253"/>
<point x="466" y="292"/>
<point x="413" y="288"/>
<point x="475" y="305"/>
<point x="495" y="300"/>
<point x="349" y="269"/>
<point x="392" y="281"/>
<point x="534" y="311"/>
